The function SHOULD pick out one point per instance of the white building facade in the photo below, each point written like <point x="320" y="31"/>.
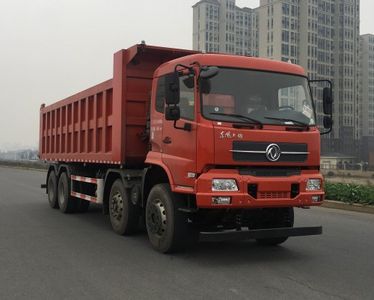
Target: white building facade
<point x="367" y="84"/>
<point x="221" y="26"/>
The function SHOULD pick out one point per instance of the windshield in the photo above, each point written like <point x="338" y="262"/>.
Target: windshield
<point x="268" y="98"/>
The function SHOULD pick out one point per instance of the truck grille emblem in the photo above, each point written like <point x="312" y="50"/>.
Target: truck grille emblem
<point x="273" y="152"/>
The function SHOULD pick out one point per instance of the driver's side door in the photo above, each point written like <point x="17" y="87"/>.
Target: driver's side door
<point x="178" y="145"/>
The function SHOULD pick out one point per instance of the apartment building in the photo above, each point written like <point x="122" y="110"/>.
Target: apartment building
<point x="347" y="74"/>
<point x="320" y="35"/>
<point x="221" y="26"/>
<point x="367" y="84"/>
<point x="367" y="95"/>
<point x="323" y="37"/>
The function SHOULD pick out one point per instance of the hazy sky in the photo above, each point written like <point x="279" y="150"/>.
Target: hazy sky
<point x="51" y="49"/>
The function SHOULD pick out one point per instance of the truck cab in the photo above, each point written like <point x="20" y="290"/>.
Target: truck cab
<point x="244" y="134"/>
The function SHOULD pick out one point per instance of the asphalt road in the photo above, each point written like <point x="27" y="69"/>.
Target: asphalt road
<point x="47" y="255"/>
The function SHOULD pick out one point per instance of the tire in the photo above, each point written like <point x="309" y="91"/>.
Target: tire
<point x="66" y="203"/>
<point x="276" y="218"/>
<point x="168" y="228"/>
<point x="124" y="215"/>
<point x="52" y="189"/>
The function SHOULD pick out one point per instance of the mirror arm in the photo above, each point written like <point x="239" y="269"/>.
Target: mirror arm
<point x="326" y="132"/>
<point x="185" y="67"/>
<point x="330" y="129"/>
<point x="322" y="80"/>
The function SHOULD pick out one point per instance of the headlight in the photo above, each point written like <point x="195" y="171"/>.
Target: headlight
<point x="313" y="184"/>
<point x="224" y="185"/>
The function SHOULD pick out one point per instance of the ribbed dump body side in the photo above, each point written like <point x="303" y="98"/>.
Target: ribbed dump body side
<point x="106" y="123"/>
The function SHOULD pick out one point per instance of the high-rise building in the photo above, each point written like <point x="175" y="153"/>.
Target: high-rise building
<point x="323" y="37"/>
<point x="347" y="73"/>
<point x="221" y="26"/>
<point x="320" y="35"/>
<point x="367" y="96"/>
<point x="367" y="84"/>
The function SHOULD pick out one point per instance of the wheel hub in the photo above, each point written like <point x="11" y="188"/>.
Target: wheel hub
<point x="156" y="218"/>
<point x="116" y="207"/>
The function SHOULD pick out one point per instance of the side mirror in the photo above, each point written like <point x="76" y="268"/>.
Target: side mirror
<point x="327" y="101"/>
<point x="209" y="72"/>
<point x="172" y="113"/>
<point x="327" y="122"/>
<point x="172" y="89"/>
<point x="189" y="82"/>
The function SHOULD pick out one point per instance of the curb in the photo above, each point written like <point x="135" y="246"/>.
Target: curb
<point x="369" y="209"/>
<point x="23" y="168"/>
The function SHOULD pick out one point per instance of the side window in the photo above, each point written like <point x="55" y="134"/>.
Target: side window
<point x="160" y="95"/>
<point x="187" y="98"/>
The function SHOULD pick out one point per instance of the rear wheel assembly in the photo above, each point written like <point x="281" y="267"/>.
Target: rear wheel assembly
<point x="124" y="215"/>
<point x="52" y="189"/>
<point x="66" y="202"/>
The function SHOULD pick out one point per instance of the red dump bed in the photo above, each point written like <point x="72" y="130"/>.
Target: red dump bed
<point x="106" y="123"/>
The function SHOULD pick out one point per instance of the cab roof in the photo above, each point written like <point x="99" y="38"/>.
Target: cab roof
<point x="232" y="61"/>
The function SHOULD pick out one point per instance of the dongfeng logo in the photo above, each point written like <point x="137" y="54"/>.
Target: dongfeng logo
<point x="273" y="152"/>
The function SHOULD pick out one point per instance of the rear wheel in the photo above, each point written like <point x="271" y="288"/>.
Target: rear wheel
<point x="168" y="228"/>
<point x="66" y="203"/>
<point x="275" y="218"/>
<point x="52" y="189"/>
<point x="124" y="215"/>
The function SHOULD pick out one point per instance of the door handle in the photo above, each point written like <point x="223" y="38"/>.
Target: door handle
<point x="167" y="140"/>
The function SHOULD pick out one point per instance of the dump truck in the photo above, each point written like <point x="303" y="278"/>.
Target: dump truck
<point x="191" y="146"/>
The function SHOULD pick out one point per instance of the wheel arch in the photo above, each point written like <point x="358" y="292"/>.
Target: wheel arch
<point x="64" y="168"/>
<point x="153" y="175"/>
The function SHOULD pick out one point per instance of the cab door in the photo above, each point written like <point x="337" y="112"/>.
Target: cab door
<point x="178" y="145"/>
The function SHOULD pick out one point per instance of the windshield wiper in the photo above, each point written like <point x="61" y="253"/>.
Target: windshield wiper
<point x="251" y="120"/>
<point x="288" y="120"/>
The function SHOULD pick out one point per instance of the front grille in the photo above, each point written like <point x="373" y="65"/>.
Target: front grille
<point x="255" y="152"/>
<point x="273" y="195"/>
<point x="269" y="171"/>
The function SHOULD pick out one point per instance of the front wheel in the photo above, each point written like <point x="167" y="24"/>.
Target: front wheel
<point x="168" y="228"/>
